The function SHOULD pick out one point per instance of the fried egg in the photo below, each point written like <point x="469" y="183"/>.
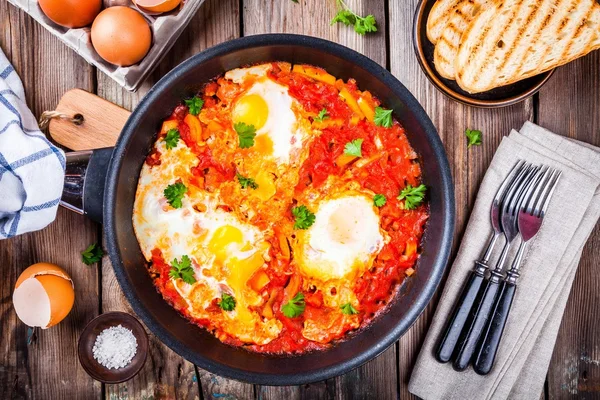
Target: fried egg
<point x="268" y="107"/>
<point x="225" y="251"/>
<point x="343" y="241"/>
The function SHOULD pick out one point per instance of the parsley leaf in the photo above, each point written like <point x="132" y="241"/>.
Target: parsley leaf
<point x="323" y="115"/>
<point x="304" y="218"/>
<point x="383" y="117"/>
<point x="295" y="306"/>
<point x="246" y="182"/>
<point x="412" y="196"/>
<point x="354" y="148"/>
<point x="246" y="133"/>
<point x="346" y="16"/>
<point x="379" y="200"/>
<point x="174" y="194"/>
<point x="348" y="309"/>
<point x="182" y="269"/>
<point x="295" y="1"/>
<point x="227" y="302"/>
<point x="194" y="105"/>
<point x="92" y="254"/>
<point x="172" y="138"/>
<point x="473" y="137"/>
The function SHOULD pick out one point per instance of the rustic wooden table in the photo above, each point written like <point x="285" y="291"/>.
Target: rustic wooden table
<point x="48" y="368"/>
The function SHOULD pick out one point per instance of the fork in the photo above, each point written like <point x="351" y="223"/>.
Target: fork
<point x="531" y="214"/>
<point x="477" y="276"/>
<point x="482" y="307"/>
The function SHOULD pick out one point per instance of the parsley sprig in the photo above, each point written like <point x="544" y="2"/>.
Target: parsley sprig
<point x="383" y="117"/>
<point x="194" y="105"/>
<point x="354" y="148"/>
<point x="172" y="138"/>
<point x="412" y="196"/>
<point x="348" y="309"/>
<point x="174" y="194"/>
<point x="246" y="182"/>
<point x="92" y="254"/>
<point x="246" y="134"/>
<point x="473" y="137"/>
<point x="295" y="306"/>
<point x="323" y="115"/>
<point x="182" y="270"/>
<point x="348" y="17"/>
<point x="304" y="218"/>
<point x="379" y="200"/>
<point x="227" y="302"/>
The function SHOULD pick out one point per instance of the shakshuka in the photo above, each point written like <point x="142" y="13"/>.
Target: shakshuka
<point x="280" y="208"/>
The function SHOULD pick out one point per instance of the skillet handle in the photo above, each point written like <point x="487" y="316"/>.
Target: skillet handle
<point x="83" y="191"/>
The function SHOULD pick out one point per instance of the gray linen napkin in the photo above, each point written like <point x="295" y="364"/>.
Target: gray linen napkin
<point x="547" y="272"/>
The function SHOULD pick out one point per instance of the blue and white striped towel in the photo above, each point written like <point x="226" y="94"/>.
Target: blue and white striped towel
<point x="31" y="168"/>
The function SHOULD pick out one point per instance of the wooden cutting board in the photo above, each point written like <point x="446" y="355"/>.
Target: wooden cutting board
<point x="101" y="126"/>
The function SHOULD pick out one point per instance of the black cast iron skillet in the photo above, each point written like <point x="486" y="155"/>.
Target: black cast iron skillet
<point x="119" y="169"/>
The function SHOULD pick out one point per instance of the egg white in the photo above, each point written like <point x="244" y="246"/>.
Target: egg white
<point x="343" y="241"/>
<point x="281" y="125"/>
<point x="188" y="231"/>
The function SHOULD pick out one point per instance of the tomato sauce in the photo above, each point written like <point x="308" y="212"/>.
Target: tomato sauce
<point x="390" y="164"/>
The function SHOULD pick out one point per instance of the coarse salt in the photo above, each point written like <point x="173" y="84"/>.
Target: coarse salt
<point x="115" y="347"/>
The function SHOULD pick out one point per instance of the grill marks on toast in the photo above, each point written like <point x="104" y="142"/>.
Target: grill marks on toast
<point x="488" y="44"/>
<point x="449" y="42"/>
<point x="583" y="38"/>
<point x="438" y="18"/>
<point x="485" y="44"/>
<point x="521" y="69"/>
<point x="569" y="29"/>
<point x="553" y="33"/>
<point x="513" y="45"/>
<point x="541" y="46"/>
<point x="493" y="47"/>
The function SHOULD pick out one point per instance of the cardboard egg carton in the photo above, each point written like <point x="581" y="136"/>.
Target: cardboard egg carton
<point x="166" y="28"/>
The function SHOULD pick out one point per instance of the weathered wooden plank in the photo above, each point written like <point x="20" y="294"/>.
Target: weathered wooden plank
<point x="313" y="18"/>
<point x="166" y="374"/>
<point x="215" y="387"/>
<point x="569" y="105"/>
<point x="375" y="380"/>
<point x="48" y="367"/>
<point x="468" y="166"/>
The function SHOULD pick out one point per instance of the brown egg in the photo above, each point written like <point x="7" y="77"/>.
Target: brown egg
<point x="71" y="13"/>
<point x="43" y="295"/>
<point x="121" y="36"/>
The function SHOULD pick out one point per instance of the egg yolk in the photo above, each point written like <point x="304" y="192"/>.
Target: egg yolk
<point x="240" y="271"/>
<point x="263" y="144"/>
<point x="251" y="109"/>
<point x="223" y="237"/>
<point x="266" y="185"/>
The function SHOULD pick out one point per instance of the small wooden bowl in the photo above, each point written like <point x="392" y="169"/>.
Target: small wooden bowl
<point x="88" y="338"/>
<point x="495" y="98"/>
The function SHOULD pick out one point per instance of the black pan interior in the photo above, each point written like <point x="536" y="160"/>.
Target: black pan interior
<point x="199" y="346"/>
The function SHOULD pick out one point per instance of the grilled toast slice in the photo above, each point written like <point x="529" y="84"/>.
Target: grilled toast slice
<point x="447" y="45"/>
<point x="515" y="39"/>
<point x="438" y="16"/>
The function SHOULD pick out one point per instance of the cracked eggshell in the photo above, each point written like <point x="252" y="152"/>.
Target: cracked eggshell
<point x="43" y="295"/>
